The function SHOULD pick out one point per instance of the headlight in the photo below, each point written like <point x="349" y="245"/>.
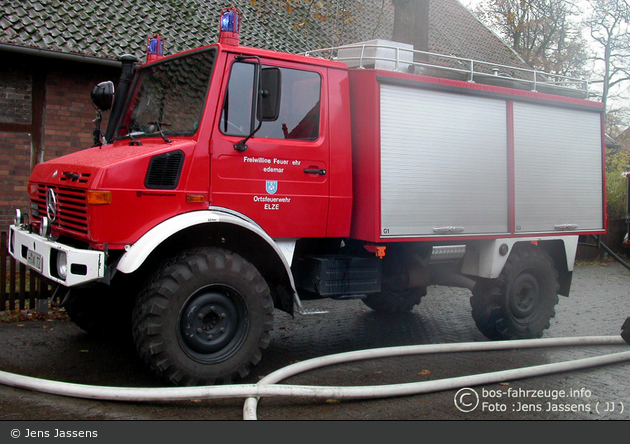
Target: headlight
<point x="44" y="229"/>
<point x="18" y="219"/>
<point x="62" y="264"/>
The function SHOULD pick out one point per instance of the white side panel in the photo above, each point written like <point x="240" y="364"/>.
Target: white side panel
<point x="443" y="163"/>
<point x="558" y="169"/>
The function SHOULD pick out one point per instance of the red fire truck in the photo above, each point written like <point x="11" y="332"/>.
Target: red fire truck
<point x="232" y="181"/>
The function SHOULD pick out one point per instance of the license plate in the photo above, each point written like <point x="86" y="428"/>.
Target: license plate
<point x="34" y="260"/>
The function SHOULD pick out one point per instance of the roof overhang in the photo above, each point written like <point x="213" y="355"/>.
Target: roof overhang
<point x="47" y="53"/>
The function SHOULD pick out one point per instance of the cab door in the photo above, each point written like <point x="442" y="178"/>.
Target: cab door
<point x="279" y="176"/>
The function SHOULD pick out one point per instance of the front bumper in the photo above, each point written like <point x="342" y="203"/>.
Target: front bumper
<point x="42" y="254"/>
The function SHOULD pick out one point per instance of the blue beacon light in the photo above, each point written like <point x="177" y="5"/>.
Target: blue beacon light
<point x="230" y="26"/>
<point x="155" y="48"/>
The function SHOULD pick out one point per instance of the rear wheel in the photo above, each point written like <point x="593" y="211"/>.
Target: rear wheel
<point x="204" y="319"/>
<point x="520" y="303"/>
<point x="395" y="301"/>
<point x="395" y="295"/>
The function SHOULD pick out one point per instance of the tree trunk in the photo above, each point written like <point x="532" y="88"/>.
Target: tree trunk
<point x="411" y="24"/>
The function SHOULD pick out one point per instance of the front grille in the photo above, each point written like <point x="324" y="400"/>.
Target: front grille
<point x="72" y="208"/>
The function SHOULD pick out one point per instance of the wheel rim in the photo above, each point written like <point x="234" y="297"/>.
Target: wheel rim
<point x="525" y="298"/>
<point x="213" y="324"/>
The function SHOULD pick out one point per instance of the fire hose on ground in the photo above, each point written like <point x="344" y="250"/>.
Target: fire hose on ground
<point x="270" y="387"/>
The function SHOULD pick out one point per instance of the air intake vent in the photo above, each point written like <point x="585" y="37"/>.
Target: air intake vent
<point x="164" y="171"/>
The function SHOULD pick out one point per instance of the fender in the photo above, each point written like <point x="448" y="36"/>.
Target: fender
<point x="487" y="261"/>
<point x="137" y="253"/>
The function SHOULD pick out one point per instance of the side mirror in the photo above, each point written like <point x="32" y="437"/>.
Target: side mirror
<point x="269" y="100"/>
<point x="103" y="96"/>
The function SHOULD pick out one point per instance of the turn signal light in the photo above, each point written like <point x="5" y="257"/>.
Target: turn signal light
<point x="99" y="197"/>
<point x="195" y="198"/>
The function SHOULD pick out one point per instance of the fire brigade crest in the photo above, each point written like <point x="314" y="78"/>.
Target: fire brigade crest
<point x="272" y="186"/>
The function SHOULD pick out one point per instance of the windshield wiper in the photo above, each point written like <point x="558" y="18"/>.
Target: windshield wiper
<point x="159" y="128"/>
<point x="134" y="141"/>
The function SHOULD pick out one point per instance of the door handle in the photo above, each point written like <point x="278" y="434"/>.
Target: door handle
<point x="566" y="227"/>
<point x="449" y="229"/>
<point x="315" y="170"/>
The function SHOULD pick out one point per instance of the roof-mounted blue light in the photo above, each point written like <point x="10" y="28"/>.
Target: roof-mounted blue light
<point x="155" y="47"/>
<point x="229" y="21"/>
<point x="230" y="26"/>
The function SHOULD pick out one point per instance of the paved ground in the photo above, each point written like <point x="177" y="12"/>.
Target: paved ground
<point x="599" y="304"/>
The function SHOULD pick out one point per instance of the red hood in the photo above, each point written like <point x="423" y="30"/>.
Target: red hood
<point x="83" y="168"/>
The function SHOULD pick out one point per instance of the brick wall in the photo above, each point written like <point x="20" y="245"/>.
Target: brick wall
<point x="69" y="112"/>
<point x="15" y="160"/>
<point x="15" y="94"/>
<point x="59" y="106"/>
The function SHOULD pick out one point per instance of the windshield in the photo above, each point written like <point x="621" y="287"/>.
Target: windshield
<point x="169" y="97"/>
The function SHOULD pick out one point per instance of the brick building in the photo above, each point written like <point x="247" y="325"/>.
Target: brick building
<point x="55" y="51"/>
<point x="45" y="112"/>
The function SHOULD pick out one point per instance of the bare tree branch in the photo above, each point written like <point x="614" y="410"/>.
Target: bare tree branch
<point x="546" y="33"/>
<point x="609" y="27"/>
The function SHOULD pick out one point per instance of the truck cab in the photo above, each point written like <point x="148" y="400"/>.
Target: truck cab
<point x="223" y="152"/>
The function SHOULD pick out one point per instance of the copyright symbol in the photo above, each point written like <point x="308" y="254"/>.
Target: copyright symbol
<point x="15" y="433"/>
<point x="466" y="400"/>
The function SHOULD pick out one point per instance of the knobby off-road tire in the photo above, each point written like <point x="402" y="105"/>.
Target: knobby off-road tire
<point x="394" y="297"/>
<point x="101" y="311"/>
<point x="87" y="312"/>
<point x="204" y="318"/>
<point x="520" y="303"/>
<point x="391" y="301"/>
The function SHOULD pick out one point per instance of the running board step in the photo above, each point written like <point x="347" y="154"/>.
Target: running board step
<point x="311" y="311"/>
<point x="299" y="308"/>
<point x="447" y="253"/>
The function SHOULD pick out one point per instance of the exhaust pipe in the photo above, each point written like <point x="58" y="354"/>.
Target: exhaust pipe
<point x="126" y="76"/>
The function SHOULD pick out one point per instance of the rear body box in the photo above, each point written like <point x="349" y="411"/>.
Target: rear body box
<point x="440" y="159"/>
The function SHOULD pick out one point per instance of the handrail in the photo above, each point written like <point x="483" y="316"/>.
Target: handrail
<point x="368" y="54"/>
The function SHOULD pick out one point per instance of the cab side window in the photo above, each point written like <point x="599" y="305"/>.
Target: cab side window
<point x="236" y="118"/>
<point x="299" y="105"/>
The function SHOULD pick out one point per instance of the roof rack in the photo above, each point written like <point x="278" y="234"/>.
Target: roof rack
<point x="394" y="56"/>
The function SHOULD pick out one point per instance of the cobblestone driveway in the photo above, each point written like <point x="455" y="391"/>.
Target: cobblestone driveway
<point x="599" y="304"/>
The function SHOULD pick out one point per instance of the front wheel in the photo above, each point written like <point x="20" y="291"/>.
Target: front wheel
<point x="520" y="303"/>
<point x="204" y="319"/>
<point x="102" y="310"/>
